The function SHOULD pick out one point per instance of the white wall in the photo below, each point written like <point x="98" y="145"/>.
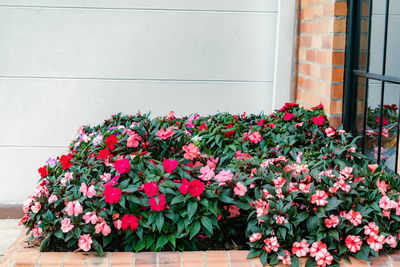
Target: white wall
<point x="72" y="62"/>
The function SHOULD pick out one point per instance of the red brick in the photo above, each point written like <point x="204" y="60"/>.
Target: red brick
<point x="27" y="258"/>
<point x="238" y="258"/>
<point x="216" y="258"/>
<point x="193" y="259"/>
<point x="145" y="259"/>
<point x="72" y="259"/>
<point x="340" y="9"/>
<point x="94" y="260"/>
<point x="337" y="58"/>
<point x="337" y="90"/>
<point x="339" y="25"/>
<point x="51" y="259"/>
<point x="171" y="259"/>
<point x="121" y="259"/>
<point x="357" y="263"/>
<point x="338" y="75"/>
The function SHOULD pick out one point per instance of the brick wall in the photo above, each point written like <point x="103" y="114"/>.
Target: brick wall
<point x="320" y="55"/>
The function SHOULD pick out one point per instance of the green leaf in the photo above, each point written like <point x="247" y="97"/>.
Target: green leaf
<point x="172" y="240"/>
<point x="295" y="261"/>
<point x="264" y="257"/>
<point x="254" y="253"/>
<point x="310" y="262"/>
<point x="206" y="222"/>
<point x="159" y="221"/>
<point x="177" y="199"/>
<point x="195" y="229"/>
<point x="107" y="239"/>
<point x="333" y="203"/>
<point x="59" y="234"/>
<point x="192" y="207"/>
<point x="45" y="242"/>
<point x="162" y="241"/>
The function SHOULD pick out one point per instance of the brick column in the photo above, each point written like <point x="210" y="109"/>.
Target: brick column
<point x="320" y="55"/>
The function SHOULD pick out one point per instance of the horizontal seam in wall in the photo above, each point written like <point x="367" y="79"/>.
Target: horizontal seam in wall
<point x="142" y="9"/>
<point x="131" y="79"/>
<point x="323" y="34"/>
<point x="325" y="18"/>
<point x="19" y="146"/>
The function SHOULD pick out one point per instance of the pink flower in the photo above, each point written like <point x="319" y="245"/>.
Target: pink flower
<point x="133" y="140"/>
<point x="85" y="242"/>
<point x="191" y="151"/>
<point x="371" y="229"/>
<point x="103" y="228"/>
<point x="376" y="242"/>
<point x="255" y="237"/>
<point x="333" y="221"/>
<point x="169" y="165"/>
<point x="122" y="166"/>
<point x="105" y="177"/>
<point x="372" y="167"/>
<point x="354" y="217"/>
<point x="35" y="208"/>
<point x="301" y="249"/>
<point x="271" y="244"/>
<point x="67" y="177"/>
<point x="385" y="203"/>
<point x="279" y="182"/>
<point x="87" y="191"/>
<point x="240" y="189"/>
<point x="353" y="243"/>
<point x="233" y="211"/>
<point x="280" y="220"/>
<point x="324" y="258"/>
<point x="206" y="173"/>
<point x="391" y="240"/>
<point x="330" y="131"/>
<point x="165" y="134"/>
<point x="255" y="138"/>
<point x="37" y="231"/>
<point x="382" y="186"/>
<point x="285" y="260"/>
<point x="319" y="198"/>
<point x="90" y="217"/>
<point x="73" y="208"/>
<point x="66" y="225"/>
<point x="318" y="249"/>
<point x="52" y="198"/>
<point x="118" y="224"/>
<point x="223" y="176"/>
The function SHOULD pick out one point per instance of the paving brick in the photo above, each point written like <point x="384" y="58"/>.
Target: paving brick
<point x="145" y="259"/>
<point x="193" y="259"/>
<point x="357" y="263"/>
<point x="216" y="258"/>
<point x="395" y="258"/>
<point x="73" y="259"/>
<point x="121" y="259"/>
<point x="94" y="260"/>
<point x="238" y="258"/>
<point x="27" y="258"/>
<point x="51" y="259"/>
<point x="382" y="261"/>
<point x="169" y="259"/>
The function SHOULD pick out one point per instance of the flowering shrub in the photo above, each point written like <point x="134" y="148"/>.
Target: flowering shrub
<point x="289" y="182"/>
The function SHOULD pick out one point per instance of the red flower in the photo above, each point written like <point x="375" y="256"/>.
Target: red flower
<point x="287" y="106"/>
<point x="384" y="121"/>
<point x="111" y="141"/>
<point x="112" y="195"/>
<point x="203" y="127"/>
<point x="150" y="189"/>
<point x="122" y="166"/>
<point x="161" y="203"/>
<point x="169" y="165"/>
<point x="353" y="243"/>
<point x="184" y="188"/>
<point x="129" y="220"/>
<point x="320" y="120"/>
<point x="103" y="154"/>
<point x="196" y="188"/>
<point x="230" y="133"/>
<point x="66" y="162"/>
<point x="43" y="171"/>
<point x="288" y="116"/>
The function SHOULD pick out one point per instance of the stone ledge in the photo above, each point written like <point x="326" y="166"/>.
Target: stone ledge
<point x="19" y="255"/>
